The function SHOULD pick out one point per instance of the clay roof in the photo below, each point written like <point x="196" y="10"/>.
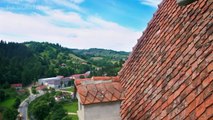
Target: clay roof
<point x="16" y="85"/>
<point x="169" y="75"/>
<point x="115" y="79"/>
<point x="77" y="76"/>
<point x="99" y="90"/>
<point x="79" y="81"/>
<point x="41" y="87"/>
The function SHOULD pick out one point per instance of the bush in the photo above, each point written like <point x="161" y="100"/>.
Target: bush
<point x="33" y="89"/>
<point x="17" y="103"/>
<point x="10" y="114"/>
<point x="45" y="108"/>
<point x="2" y="95"/>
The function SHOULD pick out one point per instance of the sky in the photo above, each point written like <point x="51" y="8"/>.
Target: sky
<point x="82" y="24"/>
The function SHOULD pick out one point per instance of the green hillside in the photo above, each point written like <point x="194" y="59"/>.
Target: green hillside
<point x="26" y="62"/>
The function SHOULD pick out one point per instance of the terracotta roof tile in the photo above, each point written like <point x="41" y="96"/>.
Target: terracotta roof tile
<point x="82" y="90"/>
<point x="99" y="90"/>
<point x="100" y="96"/>
<point x="108" y="96"/>
<point x="114" y="79"/>
<point x="110" y="88"/>
<point x="168" y="75"/>
<point x="117" y="86"/>
<point x="92" y="89"/>
<point x="79" y="81"/>
<point x="82" y="98"/>
<point x="16" y="85"/>
<point x="90" y="98"/>
<point x="96" y="100"/>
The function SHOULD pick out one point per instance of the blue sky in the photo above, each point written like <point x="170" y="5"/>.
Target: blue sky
<point x="109" y="24"/>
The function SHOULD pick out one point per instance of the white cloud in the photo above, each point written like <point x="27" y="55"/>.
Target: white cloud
<point x="152" y="3"/>
<point x="92" y="32"/>
<point x="73" y="4"/>
<point x="77" y="1"/>
<point x="20" y="1"/>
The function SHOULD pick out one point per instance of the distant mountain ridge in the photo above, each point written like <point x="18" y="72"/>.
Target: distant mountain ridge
<point x="96" y="52"/>
<point x="28" y="61"/>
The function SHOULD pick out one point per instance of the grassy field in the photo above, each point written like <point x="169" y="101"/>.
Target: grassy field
<point x="8" y="103"/>
<point x="74" y="117"/>
<point x="70" y="89"/>
<point x="11" y="97"/>
<point x="71" y="107"/>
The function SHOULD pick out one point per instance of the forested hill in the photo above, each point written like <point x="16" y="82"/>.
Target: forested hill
<point x="95" y="52"/>
<point x="26" y="62"/>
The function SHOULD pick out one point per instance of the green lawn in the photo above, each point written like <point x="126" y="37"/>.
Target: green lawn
<point x="8" y="103"/>
<point x="71" y="107"/>
<point x="71" y="89"/>
<point x="74" y="117"/>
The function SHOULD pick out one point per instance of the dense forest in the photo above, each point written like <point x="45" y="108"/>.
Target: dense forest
<point x="29" y="61"/>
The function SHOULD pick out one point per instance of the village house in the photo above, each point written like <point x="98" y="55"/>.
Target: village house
<point x="16" y="86"/>
<point x="78" y="76"/>
<point x="41" y="87"/>
<point x="169" y="74"/>
<point x="55" y="82"/>
<point x="99" y="98"/>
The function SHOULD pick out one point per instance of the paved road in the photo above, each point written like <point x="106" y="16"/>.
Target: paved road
<point x="23" y="107"/>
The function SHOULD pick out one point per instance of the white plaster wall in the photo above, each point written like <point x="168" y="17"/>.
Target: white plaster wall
<point x="102" y="111"/>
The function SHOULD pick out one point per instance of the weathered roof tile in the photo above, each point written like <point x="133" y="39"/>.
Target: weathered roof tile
<point x="99" y="89"/>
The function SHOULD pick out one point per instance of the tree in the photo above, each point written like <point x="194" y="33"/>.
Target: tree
<point x="6" y="85"/>
<point x="33" y="89"/>
<point x="2" y="95"/>
<point x="57" y="112"/>
<point x="71" y="82"/>
<point x="10" y="114"/>
<point x="40" y="110"/>
<point x="17" y="103"/>
<point x="82" y="77"/>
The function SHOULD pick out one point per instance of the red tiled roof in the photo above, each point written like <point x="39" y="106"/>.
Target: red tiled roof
<point x="169" y="74"/>
<point x="115" y="79"/>
<point x="78" y="81"/>
<point x="41" y="87"/>
<point x="16" y="85"/>
<point x="77" y="76"/>
<point x="95" y="91"/>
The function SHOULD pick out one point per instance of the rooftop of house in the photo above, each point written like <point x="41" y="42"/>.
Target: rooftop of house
<point x="77" y="76"/>
<point x="16" y="85"/>
<point x="51" y="78"/>
<point x="171" y="67"/>
<point x="41" y="87"/>
<point x="99" y="90"/>
<point x="65" y="79"/>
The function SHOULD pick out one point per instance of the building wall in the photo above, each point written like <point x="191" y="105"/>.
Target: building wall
<point x="169" y="74"/>
<point x="101" y="111"/>
<point x="81" y="110"/>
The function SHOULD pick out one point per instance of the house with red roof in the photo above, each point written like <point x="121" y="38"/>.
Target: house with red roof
<point x="99" y="98"/>
<point x="17" y="86"/>
<point x="78" y="76"/>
